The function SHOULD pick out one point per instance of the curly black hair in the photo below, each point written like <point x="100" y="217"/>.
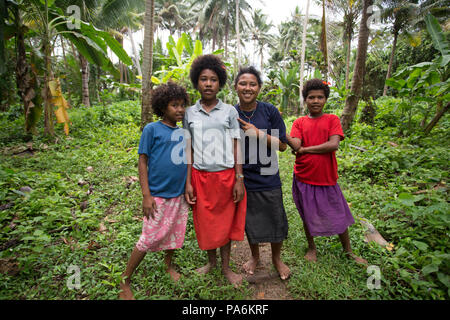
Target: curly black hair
<point x="315" y="84"/>
<point x="163" y="94"/>
<point x="211" y="62"/>
<point x="252" y="70"/>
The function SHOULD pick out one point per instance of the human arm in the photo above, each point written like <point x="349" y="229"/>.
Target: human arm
<point x="189" y="190"/>
<point x="294" y="143"/>
<point x="148" y="202"/>
<point x="331" y="145"/>
<point x="251" y="130"/>
<point x="238" y="189"/>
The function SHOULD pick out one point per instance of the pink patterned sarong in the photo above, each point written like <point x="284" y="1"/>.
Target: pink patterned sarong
<point x="166" y="231"/>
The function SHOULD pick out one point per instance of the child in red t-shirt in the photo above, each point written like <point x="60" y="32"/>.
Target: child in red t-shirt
<point x="319" y="199"/>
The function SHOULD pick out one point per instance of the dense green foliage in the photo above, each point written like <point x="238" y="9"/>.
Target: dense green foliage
<point x="92" y="219"/>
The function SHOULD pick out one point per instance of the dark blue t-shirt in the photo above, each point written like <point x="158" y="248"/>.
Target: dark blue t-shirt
<point x="167" y="169"/>
<point x="261" y="164"/>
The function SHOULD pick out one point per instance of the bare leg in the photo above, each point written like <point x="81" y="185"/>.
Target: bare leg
<point x="345" y="240"/>
<point x="125" y="289"/>
<point x="311" y="254"/>
<point x="212" y="262"/>
<point x="251" y="264"/>
<point x="234" y="278"/>
<point x="282" y="269"/>
<point x="170" y="268"/>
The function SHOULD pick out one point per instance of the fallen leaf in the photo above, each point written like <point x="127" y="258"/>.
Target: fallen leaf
<point x="102" y="227"/>
<point x="107" y="219"/>
<point x="93" y="245"/>
<point x="372" y="234"/>
<point x="393" y="144"/>
<point x="81" y="182"/>
<point x="260" y="295"/>
<point x="9" y="266"/>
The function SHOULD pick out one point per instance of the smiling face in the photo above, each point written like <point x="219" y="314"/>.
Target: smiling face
<point x="174" y="112"/>
<point x="315" y="101"/>
<point x="247" y="88"/>
<point x="208" y="84"/>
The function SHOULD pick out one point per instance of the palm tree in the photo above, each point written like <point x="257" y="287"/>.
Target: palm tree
<point x="216" y="18"/>
<point x="120" y="17"/>
<point x="146" y="109"/>
<point x="174" y="15"/>
<point x="302" y="63"/>
<point x="48" y="22"/>
<point x="86" y="10"/>
<point x="351" y="103"/>
<point x="350" y="10"/>
<point x="401" y="12"/>
<point x="259" y="30"/>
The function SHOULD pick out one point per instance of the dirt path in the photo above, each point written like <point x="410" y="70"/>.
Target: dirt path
<point x="266" y="283"/>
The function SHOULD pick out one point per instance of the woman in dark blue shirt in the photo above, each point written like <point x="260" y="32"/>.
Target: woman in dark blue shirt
<point x="265" y="133"/>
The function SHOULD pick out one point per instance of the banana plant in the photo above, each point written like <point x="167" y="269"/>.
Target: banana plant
<point x="427" y="81"/>
<point x="288" y="83"/>
<point x="43" y="21"/>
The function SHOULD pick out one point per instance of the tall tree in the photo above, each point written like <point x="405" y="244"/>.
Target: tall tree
<point x="146" y="109"/>
<point x="351" y="103"/>
<point x="302" y="63"/>
<point x="350" y="11"/>
<point x="217" y="17"/>
<point x="86" y="14"/>
<point x="323" y="40"/>
<point x="259" y="30"/>
<point x="401" y="12"/>
<point x="238" y="34"/>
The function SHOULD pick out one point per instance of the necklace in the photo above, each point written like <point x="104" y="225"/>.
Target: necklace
<point x="248" y="118"/>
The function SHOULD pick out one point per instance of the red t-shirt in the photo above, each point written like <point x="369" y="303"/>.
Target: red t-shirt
<point x="316" y="169"/>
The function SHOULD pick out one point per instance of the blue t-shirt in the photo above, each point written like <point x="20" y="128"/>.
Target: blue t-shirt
<point x="261" y="166"/>
<point x="167" y="169"/>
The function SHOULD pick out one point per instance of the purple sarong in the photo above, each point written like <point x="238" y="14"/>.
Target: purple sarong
<point x="323" y="209"/>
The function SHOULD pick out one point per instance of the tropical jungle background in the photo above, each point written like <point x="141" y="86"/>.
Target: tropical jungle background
<point x="73" y="104"/>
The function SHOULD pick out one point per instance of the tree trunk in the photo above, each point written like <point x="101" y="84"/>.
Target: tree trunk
<point x="436" y="118"/>
<point x="135" y="54"/>
<point x="48" y="108"/>
<point x="391" y="61"/>
<point x="348" y="58"/>
<point x="147" y="65"/>
<point x="238" y="36"/>
<point x="84" y="80"/>
<point x="351" y="103"/>
<point x="302" y="63"/>
<point x="323" y="42"/>
<point x="24" y="81"/>
<point x="262" y="59"/>
<point x="368" y="112"/>
<point x="227" y="28"/>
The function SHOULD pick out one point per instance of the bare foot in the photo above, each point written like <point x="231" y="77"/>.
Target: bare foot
<point x="357" y="259"/>
<point x="173" y="274"/>
<point x="206" y="269"/>
<point x="283" y="270"/>
<point x="125" y="292"/>
<point x="250" y="266"/>
<point x="311" y="255"/>
<point x="234" y="278"/>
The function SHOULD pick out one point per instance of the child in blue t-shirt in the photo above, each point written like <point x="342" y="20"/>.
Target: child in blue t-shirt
<point x="162" y="175"/>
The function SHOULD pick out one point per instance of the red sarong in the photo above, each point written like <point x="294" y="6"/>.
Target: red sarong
<point x="217" y="219"/>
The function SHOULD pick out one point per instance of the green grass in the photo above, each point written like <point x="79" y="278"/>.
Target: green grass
<point x="53" y="232"/>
